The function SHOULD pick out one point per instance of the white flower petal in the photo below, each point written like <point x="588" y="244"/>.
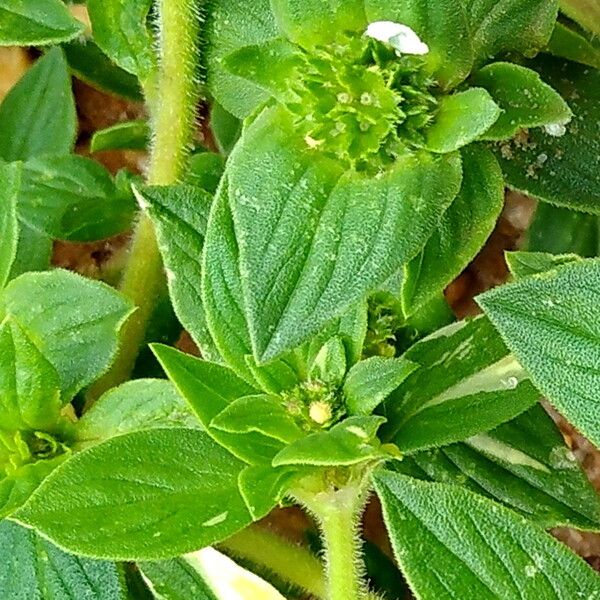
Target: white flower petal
<point x="401" y="37"/>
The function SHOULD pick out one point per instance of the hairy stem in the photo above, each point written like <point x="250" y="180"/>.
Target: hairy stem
<point x="291" y="563"/>
<point x="338" y="513"/>
<point x="172" y="103"/>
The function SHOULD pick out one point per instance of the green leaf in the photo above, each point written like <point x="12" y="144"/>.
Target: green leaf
<point x="120" y="30"/>
<point x="29" y="386"/>
<point x="209" y="388"/>
<point x="524" y="264"/>
<point x="270" y="65"/>
<point x="10" y="181"/>
<point x="524" y="464"/>
<point x="34" y="250"/>
<point x="221" y="293"/>
<point x="205" y="170"/>
<point x="36" y="23"/>
<point x="38" y="114"/>
<point x="129" y="135"/>
<point x="525" y="100"/>
<point x="308" y="249"/>
<point x="134" y="405"/>
<point x="329" y="365"/>
<point x="461" y="119"/>
<point x="561" y="230"/>
<point x="471" y="547"/>
<point x="260" y="413"/>
<point x="34" y="569"/>
<point x="312" y="22"/>
<point x="91" y="65"/>
<point x="179" y="214"/>
<point x="177" y="579"/>
<point x="73" y="198"/>
<point x="350" y="328"/>
<point x="560" y="167"/>
<point x="263" y="486"/>
<point x="234" y="25"/>
<point x="350" y="442"/>
<point x="443" y="25"/>
<point x="574" y="45"/>
<point x="371" y="381"/>
<point x="584" y="12"/>
<point x="467" y="383"/>
<point x="73" y="321"/>
<point x="510" y="25"/>
<point x="461" y="233"/>
<point x="17" y="487"/>
<point x="207" y="575"/>
<point x="549" y="322"/>
<point x="223" y="302"/>
<point x="225" y="127"/>
<point x="180" y="495"/>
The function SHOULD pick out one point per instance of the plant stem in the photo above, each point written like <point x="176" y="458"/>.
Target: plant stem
<point x="338" y="513"/>
<point x="172" y="105"/>
<point x="292" y="563"/>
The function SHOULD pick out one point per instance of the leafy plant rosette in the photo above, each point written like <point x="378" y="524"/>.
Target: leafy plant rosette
<point x="365" y="178"/>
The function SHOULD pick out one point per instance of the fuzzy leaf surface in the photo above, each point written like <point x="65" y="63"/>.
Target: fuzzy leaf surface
<point x="180" y="495"/>
<point x="524" y="464"/>
<point x="314" y="240"/>
<point x="478" y="548"/>
<point x="350" y="442"/>
<point x="10" y="181"/>
<point x="549" y="322"/>
<point x="525" y="100"/>
<point x="461" y="119"/>
<point x="370" y="381"/>
<point x="210" y="388"/>
<point x="263" y="486"/>
<point x="524" y="264"/>
<point x="35" y="569"/>
<point x="135" y="405"/>
<point x="38" y="114"/>
<point x="36" y="23"/>
<point x="233" y="25"/>
<point x="560" y="169"/>
<point x="73" y="321"/>
<point x="223" y="301"/>
<point x="120" y="29"/>
<point x="176" y="579"/>
<point x="312" y="22"/>
<point x="16" y="488"/>
<point x="329" y="365"/>
<point x="34" y="250"/>
<point x="510" y="25"/>
<point x="573" y="45"/>
<point x="261" y="413"/>
<point x="269" y="65"/>
<point x="461" y="233"/>
<point x="180" y="214"/>
<point x="29" y="386"/>
<point x="467" y="383"/>
<point x="90" y="64"/>
<point x="73" y="198"/>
